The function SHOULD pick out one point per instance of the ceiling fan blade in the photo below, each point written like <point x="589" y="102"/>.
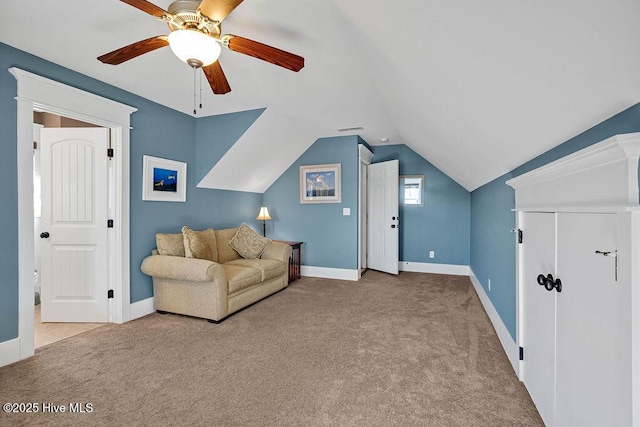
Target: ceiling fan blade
<point x="148" y="7"/>
<point x="133" y="50"/>
<point x="217" y="79"/>
<point x="266" y="53"/>
<point x="217" y="10"/>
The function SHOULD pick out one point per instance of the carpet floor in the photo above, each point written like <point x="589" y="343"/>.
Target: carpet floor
<point x="416" y="349"/>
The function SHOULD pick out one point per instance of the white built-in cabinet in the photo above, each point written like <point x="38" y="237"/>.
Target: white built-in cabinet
<point x="578" y="269"/>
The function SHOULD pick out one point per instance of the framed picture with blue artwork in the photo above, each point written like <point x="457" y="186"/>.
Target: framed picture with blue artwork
<point x="164" y="180"/>
<point x="321" y="183"/>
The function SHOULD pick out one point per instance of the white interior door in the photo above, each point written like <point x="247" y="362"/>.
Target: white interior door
<point x="382" y="208"/>
<point x="539" y="312"/>
<point x="592" y="353"/>
<point x="74" y="216"/>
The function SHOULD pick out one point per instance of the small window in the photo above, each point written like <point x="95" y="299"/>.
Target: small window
<point x="411" y="187"/>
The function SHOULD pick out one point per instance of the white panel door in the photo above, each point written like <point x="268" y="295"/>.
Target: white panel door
<point x="74" y="216"/>
<point x="382" y="208"/>
<point x="592" y="353"/>
<point x="539" y="312"/>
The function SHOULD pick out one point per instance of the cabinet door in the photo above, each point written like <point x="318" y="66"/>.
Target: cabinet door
<point x="591" y="349"/>
<point x="539" y="312"/>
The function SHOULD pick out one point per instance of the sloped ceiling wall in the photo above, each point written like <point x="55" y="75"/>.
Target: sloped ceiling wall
<point x="477" y="88"/>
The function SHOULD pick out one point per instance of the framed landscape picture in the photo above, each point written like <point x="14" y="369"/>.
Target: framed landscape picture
<point x="321" y="183"/>
<point x="164" y="180"/>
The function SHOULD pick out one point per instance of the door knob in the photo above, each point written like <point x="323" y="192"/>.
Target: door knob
<point x="548" y="282"/>
<point x="44" y="235"/>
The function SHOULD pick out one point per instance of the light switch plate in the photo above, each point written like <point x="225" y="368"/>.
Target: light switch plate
<point x="346" y="211"/>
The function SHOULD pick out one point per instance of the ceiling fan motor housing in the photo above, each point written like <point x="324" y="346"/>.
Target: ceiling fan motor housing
<point x="185" y="16"/>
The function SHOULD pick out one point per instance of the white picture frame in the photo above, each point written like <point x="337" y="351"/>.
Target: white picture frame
<point x="321" y="183"/>
<point x="163" y="180"/>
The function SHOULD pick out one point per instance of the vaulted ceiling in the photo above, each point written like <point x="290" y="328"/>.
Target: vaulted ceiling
<point x="476" y="88"/>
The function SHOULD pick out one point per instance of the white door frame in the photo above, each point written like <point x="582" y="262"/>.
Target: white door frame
<point x="364" y="159"/>
<point x="36" y="92"/>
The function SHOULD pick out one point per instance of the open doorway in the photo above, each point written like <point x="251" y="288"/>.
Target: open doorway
<point x="37" y="92"/>
<point x="49" y="329"/>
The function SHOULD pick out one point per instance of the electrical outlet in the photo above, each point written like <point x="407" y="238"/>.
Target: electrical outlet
<point x="432" y="254"/>
<point x="489" y="284"/>
<point x="346" y="211"/>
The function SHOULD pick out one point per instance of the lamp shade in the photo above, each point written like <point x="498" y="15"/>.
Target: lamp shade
<point x="194" y="47"/>
<point x="264" y="214"/>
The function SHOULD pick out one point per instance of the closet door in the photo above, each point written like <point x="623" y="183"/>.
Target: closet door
<point x="539" y="312"/>
<point x="591" y="350"/>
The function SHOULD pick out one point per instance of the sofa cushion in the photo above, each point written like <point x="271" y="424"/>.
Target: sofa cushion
<point x="170" y="244"/>
<point x="269" y="268"/>
<point x="225" y="251"/>
<point x="240" y="277"/>
<point x="200" y="244"/>
<point x="248" y="243"/>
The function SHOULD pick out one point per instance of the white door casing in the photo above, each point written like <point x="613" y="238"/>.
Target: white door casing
<point x="36" y="92"/>
<point x="382" y="201"/>
<point x="74" y="216"/>
<point x="364" y="160"/>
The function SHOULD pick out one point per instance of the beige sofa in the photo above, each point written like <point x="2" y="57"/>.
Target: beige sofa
<point x="214" y="288"/>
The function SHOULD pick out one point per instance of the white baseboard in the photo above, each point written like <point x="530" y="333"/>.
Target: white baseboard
<point x="508" y="344"/>
<point x="425" y="267"/>
<point x="141" y="308"/>
<point x="9" y="351"/>
<point x="329" y="273"/>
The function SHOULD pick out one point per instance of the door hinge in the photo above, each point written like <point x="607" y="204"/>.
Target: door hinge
<point x="35" y="145"/>
<point x="110" y="293"/>
<point x="519" y="236"/>
<point x="521" y="355"/>
<point x="109" y="223"/>
<point x="110" y="153"/>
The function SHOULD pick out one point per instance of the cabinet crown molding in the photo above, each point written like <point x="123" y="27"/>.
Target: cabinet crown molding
<point x="603" y="174"/>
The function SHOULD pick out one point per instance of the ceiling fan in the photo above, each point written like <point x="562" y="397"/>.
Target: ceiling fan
<point x="196" y="39"/>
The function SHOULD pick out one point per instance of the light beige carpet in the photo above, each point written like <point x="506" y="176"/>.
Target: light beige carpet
<point x="416" y="349"/>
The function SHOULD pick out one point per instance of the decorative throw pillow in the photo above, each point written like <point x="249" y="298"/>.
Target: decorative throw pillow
<point x="200" y="244"/>
<point x="248" y="243"/>
<point x="170" y="244"/>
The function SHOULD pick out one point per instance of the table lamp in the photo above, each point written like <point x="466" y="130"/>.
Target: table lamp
<point x="264" y="216"/>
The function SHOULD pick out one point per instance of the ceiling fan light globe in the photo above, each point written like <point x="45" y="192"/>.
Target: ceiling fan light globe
<point x="194" y="47"/>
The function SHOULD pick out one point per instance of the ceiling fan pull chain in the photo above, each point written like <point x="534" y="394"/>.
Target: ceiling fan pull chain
<point x="194" y="91"/>
<point x="201" y="91"/>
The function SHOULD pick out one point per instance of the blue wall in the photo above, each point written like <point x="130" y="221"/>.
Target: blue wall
<point x="442" y="223"/>
<point x="330" y="239"/>
<point x="492" y="243"/>
<point x="158" y="131"/>
<point x="215" y="135"/>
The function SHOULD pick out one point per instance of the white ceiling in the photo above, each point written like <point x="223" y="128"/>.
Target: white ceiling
<point x="476" y="88"/>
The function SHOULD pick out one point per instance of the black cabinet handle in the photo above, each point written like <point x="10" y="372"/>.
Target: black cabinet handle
<point x="44" y="235"/>
<point x="548" y="282"/>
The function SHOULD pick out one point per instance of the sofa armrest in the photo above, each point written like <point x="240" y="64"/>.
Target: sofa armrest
<point x="277" y="250"/>
<point x="180" y="268"/>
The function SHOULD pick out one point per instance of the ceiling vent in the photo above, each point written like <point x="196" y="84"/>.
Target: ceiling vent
<point x="350" y="129"/>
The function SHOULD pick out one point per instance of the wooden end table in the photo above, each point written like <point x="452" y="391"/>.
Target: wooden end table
<point x="294" y="261"/>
